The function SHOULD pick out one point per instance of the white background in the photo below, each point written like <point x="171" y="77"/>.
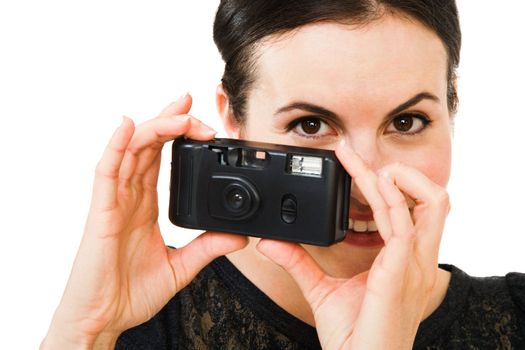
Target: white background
<point x="70" y="70"/>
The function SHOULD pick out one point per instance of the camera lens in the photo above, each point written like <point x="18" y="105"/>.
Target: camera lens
<point x="235" y="198"/>
<point x="232" y="198"/>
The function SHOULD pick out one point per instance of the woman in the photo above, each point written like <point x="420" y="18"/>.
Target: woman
<point x="373" y="80"/>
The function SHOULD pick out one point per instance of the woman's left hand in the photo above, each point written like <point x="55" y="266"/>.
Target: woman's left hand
<point x="383" y="307"/>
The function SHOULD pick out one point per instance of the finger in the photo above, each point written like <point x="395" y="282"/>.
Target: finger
<point x="106" y="183"/>
<point x="381" y="313"/>
<point x="366" y="180"/>
<point x="144" y="159"/>
<point x="386" y="277"/>
<point x="394" y="269"/>
<point x="189" y="260"/>
<point x="432" y="206"/>
<point x="181" y="106"/>
<point x="394" y="258"/>
<point x="400" y="217"/>
<point x="139" y="160"/>
<point x="385" y="288"/>
<point x="151" y="176"/>
<point x="153" y="135"/>
<point x="299" y="264"/>
<point x="155" y="132"/>
<point x="417" y="185"/>
<point x="178" y="108"/>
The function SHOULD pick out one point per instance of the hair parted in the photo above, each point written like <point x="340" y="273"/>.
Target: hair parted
<point x="241" y="24"/>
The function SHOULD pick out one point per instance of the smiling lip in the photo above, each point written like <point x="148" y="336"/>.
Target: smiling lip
<point x="361" y="216"/>
<point x="364" y="239"/>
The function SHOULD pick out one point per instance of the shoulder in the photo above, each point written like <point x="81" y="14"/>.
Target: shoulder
<point x="484" y="312"/>
<point x="499" y="295"/>
<point x="516" y="285"/>
<point x="498" y="300"/>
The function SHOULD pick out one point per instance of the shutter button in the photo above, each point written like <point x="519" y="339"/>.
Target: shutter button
<point x="288" y="209"/>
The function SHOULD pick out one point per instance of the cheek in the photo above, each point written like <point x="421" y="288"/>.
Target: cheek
<point x="434" y="163"/>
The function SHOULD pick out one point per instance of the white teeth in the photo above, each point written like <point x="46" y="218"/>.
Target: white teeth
<point x="362" y="226"/>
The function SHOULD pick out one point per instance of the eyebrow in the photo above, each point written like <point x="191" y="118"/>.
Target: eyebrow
<point x="311" y="108"/>
<point x="413" y="101"/>
<point x="315" y="109"/>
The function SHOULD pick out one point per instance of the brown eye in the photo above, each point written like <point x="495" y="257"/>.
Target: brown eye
<point x="403" y="123"/>
<point x="311" y="126"/>
<point x="408" y="124"/>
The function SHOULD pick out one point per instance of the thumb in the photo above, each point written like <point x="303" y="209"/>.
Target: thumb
<point x="187" y="261"/>
<point x="299" y="264"/>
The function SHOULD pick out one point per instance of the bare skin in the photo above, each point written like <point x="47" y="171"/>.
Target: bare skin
<point x="360" y="67"/>
<point x="376" y="296"/>
<point x="123" y="273"/>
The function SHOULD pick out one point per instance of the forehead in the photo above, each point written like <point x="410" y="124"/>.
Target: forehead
<point x="387" y="57"/>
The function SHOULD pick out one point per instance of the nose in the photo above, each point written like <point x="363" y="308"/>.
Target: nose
<point x="366" y="146"/>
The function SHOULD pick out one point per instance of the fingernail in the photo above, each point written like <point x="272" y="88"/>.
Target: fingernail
<point x="181" y="118"/>
<point x="205" y="128"/>
<point x="124" y="118"/>
<point x="182" y="98"/>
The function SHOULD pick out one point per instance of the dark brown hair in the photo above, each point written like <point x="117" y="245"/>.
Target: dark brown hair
<point x="241" y="24"/>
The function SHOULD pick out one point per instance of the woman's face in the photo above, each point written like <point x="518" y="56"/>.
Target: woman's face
<point x="382" y="87"/>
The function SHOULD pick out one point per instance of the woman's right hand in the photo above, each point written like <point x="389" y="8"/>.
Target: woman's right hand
<point x="383" y="307"/>
<point x="123" y="273"/>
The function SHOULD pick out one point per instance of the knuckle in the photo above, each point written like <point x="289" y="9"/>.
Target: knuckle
<point x="188" y="120"/>
<point x="400" y="202"/>
<point x="102" y="171"/>
<point x="398" y="165"/>
<point x="406" y="237"/>
<point x="392" y="168"/>
<point x="379" y="209"/>
<point x="296" y="259"/>
<point x="411" y="234"/>
<point x="189" y="126"/>
<point x="442" y="199"/>
<point x="134" y="150"/>
<point x="209" y="243"/>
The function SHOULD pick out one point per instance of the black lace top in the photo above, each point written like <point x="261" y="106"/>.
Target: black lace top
<point x="222" y="309"/>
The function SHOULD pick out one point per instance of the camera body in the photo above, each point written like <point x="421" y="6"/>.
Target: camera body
<point x="259" y="189"/>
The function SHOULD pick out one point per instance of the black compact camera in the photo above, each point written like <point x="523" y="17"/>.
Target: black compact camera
<point x="259" y="189"/>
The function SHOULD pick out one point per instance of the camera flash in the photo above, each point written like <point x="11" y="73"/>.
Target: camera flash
<point x="306" y="165"/>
